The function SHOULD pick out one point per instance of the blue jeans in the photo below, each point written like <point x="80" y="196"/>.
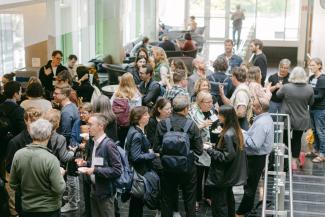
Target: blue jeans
<point x="275" y="107"/>
<point x="238" y="30"/>
<point x="318" y="125"/>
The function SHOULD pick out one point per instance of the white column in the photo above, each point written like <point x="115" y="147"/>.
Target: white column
<point x="54" y="26"/>
<point x="303" y="31"/>
<point x="112" y="11"/>
<point x="150" y="19"/>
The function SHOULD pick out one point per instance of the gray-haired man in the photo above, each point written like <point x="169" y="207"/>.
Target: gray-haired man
<point x="104" y="167"/>
<point x="35" y="171"/>
<point x="187" y="180"/>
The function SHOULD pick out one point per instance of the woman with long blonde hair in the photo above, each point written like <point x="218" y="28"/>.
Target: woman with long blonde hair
<point x="128" y="90"/>
<point x="126" y="97"/>
<point x="162" y="72"/>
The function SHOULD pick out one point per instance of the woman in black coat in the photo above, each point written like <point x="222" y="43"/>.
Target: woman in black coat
<point x="139" y="153"/>
<point x="228" y="164"/>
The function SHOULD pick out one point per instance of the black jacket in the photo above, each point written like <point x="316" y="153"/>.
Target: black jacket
<point x="261" y="61"/>
<point x="84" y="90"/>
<point x="18" y="142"/>
<point x="167" y="45"/>
<point x="150" y="92"/>
<point x="228" y="163"/>
<point x="16" y="115"/>
<point x="135" y="73"/>
<point x="111" y="131"/>
<point x="178" y="122"/>
<point x="150" y="129"/>
<point x="137" y="146"/>
<point x="47" y="80"/>
<point x="319" y="93"/>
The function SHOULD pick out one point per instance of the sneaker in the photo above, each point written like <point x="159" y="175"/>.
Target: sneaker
<point x="158" y="213"/>
<point x="301" y="159"/>
<point x="65" y="198"/>
<point x="176" y="214"/>
<point x="68" y="208"/>
<point x="294" y="164"/>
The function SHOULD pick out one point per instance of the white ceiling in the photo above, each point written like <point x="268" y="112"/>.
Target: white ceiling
<point x="5" y="2"/>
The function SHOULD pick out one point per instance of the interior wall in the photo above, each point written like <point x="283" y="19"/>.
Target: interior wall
<point x="318" y="32"/>
<point x="35" y="30"/>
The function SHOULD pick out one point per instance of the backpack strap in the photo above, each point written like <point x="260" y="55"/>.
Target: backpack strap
<point x="187" y="126"/>
<point x="168" y="124"/>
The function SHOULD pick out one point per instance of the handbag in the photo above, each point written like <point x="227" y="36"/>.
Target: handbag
<point x="137" y="189"/>
<point x="203" y="160"/>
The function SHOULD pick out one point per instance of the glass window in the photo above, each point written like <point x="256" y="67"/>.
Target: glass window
<point x="197" y="10"/>
<point x="248" y="7"/>
<point x="292" y="20"/>
<point x="217" y="19"/>
<point x="76" y="29"/>
<point x="270" y="14"/>
<point x="12" y="52"/>
<point x="171" y="12"/>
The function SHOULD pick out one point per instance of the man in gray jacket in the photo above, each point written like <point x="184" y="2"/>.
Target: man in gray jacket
<point x="258" y="143"/>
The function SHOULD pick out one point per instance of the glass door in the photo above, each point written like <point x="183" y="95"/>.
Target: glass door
<point x="197" y="10"/>
<point x="212" y="15"/>
<point x="217" y="19"/>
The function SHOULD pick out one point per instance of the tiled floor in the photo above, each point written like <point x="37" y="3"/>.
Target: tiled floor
<point x="308" y="195"/>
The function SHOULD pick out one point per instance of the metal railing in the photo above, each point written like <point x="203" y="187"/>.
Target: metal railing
<point x="281" y="151"/>
<point x="243" y="48"/>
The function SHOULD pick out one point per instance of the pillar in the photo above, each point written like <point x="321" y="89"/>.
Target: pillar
<point x="303" y="33"/>
<point x="109" y="29"/>
<point x="150" y="19"/>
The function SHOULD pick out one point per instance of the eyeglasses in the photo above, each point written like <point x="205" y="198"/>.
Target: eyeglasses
<point x="208" y="102"/>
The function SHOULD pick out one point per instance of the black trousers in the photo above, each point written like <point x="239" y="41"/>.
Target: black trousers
<point x="256" y="164"/>
<point x="202" y="174"/>
<point x="86" y="194"/>
<point x="136" y="207"/>
<point x="295" y="141"/>
<point x="169" y="184"/>
<point x="223" y="202"/>
<point x="56" y="213"/>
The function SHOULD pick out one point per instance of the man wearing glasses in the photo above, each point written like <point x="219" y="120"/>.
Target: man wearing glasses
<point x="48" y="73"/>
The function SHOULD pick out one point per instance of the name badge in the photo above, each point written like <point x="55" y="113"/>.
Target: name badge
<point x="214" y="118"/>
<point x="98" y="161"/>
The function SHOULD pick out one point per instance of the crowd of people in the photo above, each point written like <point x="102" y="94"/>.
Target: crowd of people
<point x="200" y="132"/>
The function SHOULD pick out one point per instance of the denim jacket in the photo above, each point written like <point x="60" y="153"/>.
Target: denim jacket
<point x="234" y="61"/>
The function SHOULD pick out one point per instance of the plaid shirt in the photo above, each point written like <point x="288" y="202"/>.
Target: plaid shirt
<point x="174" y="91"/>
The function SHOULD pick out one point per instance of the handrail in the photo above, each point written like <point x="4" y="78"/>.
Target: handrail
<point x="243" y="48"/>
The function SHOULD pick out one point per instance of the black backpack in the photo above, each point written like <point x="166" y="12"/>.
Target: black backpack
<point x="176" y="154"/>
